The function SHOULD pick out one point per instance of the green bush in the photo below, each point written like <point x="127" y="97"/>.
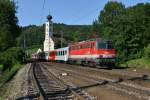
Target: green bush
<point x="1" y="67"/>
<point x="147" y="51"/>
<point x="10" y="57"/>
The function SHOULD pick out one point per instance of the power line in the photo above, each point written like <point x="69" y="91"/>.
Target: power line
<point x="42" y="13"/>
<point x="86" y="15"/>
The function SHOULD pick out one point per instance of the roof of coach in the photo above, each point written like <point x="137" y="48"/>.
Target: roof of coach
<point x="64" y="48"/>
<point x="87" y="41"/>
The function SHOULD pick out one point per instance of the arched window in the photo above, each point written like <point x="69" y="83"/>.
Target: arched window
<point x="66" y="52"/>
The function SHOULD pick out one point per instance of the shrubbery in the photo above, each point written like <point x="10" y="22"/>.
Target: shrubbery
<point x="147" y="51"/>
<point x="10" y="57"/>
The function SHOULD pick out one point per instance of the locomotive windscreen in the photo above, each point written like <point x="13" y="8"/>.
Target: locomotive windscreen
<point x="105" y="45"/>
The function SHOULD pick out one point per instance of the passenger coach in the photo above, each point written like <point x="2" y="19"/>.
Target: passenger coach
<point x="59" y="54"/>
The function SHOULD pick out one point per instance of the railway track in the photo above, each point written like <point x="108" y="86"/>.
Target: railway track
<point x="139" y="81"/>
<point x="117" y="84"/>
<point x="79" y="94"/>
<point x="50" y="87"/>
<point x="42" y="85"/>
<point x="33" y="90"/>
<point x="45" y="85"/>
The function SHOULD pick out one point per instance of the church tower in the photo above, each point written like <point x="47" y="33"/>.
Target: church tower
<point x="48" y="42"/>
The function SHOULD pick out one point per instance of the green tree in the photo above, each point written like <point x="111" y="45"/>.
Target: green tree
<point x="11" y="56"/>
<point x="128" y="28"/>
<point x="34" y="35"/>
<point x="9" y="29"/>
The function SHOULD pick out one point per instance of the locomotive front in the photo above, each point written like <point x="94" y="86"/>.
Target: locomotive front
<point x="106" y="52"/>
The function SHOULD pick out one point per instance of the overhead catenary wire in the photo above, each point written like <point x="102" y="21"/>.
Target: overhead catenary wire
<point x="89" y="13"/>
<point x="86" y="15"/>
<point x="42" y="13"/>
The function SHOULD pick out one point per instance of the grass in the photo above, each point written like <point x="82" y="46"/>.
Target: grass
<point x="140" y="63"/>
<point x="8" y="74"/>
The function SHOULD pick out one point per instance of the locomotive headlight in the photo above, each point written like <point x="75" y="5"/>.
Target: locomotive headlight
<point x="106" y="52"/>
<point x="107" y="56"/>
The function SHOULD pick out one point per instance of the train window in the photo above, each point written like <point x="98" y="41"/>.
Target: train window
<point x="88" y="45"/>
<point x="59" y="53"/>
<point x="63" y="52"/>
<point x="109" y="46"/>
<point x="102" y="45"/>
<point x="66" y="52"/>
<point x="82" y="46"/>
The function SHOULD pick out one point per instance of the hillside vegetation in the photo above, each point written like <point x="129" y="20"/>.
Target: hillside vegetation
<point x="35" y="35"/>
<point x="128" y="29"/>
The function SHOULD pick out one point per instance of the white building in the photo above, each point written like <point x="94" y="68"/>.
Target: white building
<point x="48" y="42"/>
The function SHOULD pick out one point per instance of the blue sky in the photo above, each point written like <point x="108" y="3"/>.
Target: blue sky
<point x="63" y="11"/>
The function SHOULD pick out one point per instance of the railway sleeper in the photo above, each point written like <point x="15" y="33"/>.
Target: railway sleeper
<point x="62" y="98"/>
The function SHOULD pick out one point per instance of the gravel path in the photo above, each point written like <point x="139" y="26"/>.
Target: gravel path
<point x="17" y="87"/>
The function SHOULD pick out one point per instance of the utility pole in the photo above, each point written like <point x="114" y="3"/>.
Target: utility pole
<point x="61" y="38"/>
<point x="24" y="48"/>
